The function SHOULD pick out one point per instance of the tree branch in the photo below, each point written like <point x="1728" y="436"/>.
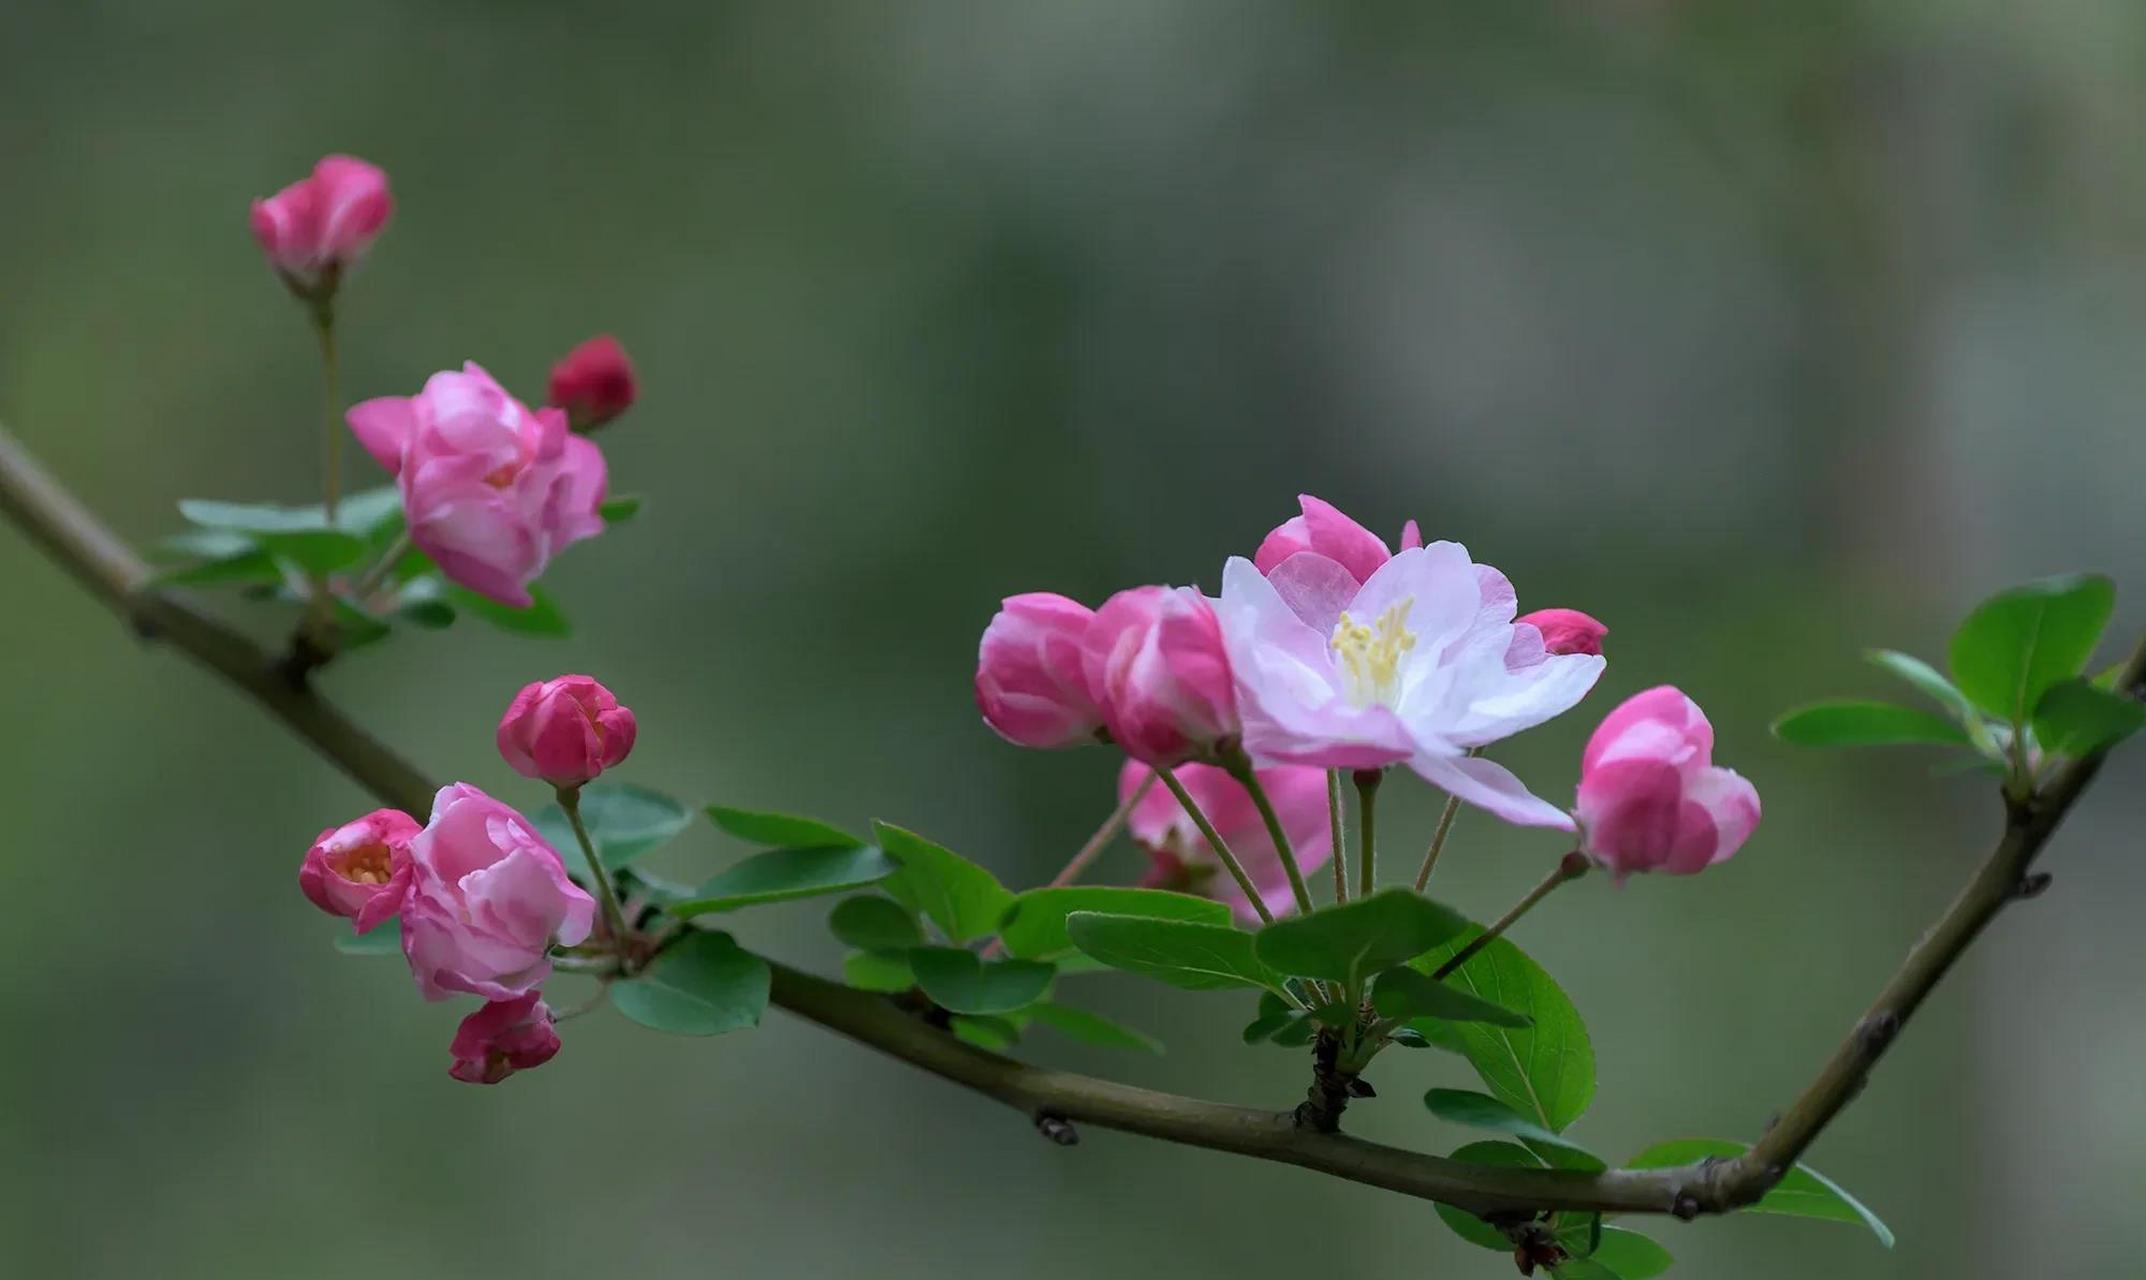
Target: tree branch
<point x="89" y="550"/>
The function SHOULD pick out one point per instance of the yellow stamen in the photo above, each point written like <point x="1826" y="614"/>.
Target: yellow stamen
<point x="1370" y="656"/>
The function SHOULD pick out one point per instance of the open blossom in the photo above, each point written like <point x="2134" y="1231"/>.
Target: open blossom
<point x="503" y="1037"/>
<point x="318" y="226"/>
<point x="361" y="869"/>
<point x="491" y="490"/>
<point x="1029" y="682"/>
<point x="488" y="898"/>
<point x="1418" y="664"/>
<point x="1651" y="797"/>
<point x="1323" y="530"/>
<point x="593" y="383"/>
<point x="565" y="730"/>
<point x="1156" y="667"/>
<point x="1180" y="856"/>
<point x="1565" y="630"/>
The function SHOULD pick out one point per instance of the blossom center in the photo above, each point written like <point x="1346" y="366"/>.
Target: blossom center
<point x="366" y="864"/>
<point x="1370" y="656"/>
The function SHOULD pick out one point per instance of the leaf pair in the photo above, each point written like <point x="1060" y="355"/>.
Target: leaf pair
<point x="2016" y="661"/>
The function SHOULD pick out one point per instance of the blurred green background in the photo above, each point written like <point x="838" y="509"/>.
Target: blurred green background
<point x="1762" y="332"/>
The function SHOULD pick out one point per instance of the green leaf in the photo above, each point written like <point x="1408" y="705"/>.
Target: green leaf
<point x="995" y="1034"/>
<point x="624" y="822"/>
<point x="373" y="514"/>
<point x="1481" y="1111"/>
<point x="1034" y="927"/>
<point x="704" y="985"/>
<point x="2074" y="718"/>
<point x="1629" y="1255"/>
<point x="203" y="544"/>
<point x="1404" y="993"/>
<point x="874" y="924"/>
<point x="1467" y="1226"/>
<point x="383" y="939"/>
<point x="1183" y="953"/>
<point x="1578" y="1268"/>
<point x="780" y="875"/>
<point x="2019" y="642"/>
<point x="1926" y="679"/>
<point x="779" y="830"/>
<point x="244" y="567"/>
<point x="1804" y="1193"/>
<point x="886" y="971"/>
<point x="615" y="511"/>
<point x="541" y="618"/>
<point x="1545" y="1072"/>
<point x="960" y="982"/>
<point x="1350" y="942"/>
<point x="1849" y="723"/>
<point x="1266" y="1026"/>
<point x="297" y="534"/>
<point x="1092" y="1028"/>
<point x="960" y="897"/>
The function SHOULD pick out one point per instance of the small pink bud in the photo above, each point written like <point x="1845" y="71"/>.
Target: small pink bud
<point x="1324" y="531"/>
<point x="1156" y="668"/>
<point x="1566" y="630"/>
<point x="319" y="226"/>
<point x="503" y="1037"/>
<point x="1029" y="682"/>
<point x="1651" y="798"/>
<point x="565" y="730"/>
<point x="361" y="870"/>
<point x="594" y="383"/>
<point x="488" y="899"/>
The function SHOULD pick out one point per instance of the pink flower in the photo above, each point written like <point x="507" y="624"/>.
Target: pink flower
<point x="1323" y="531"/>
<point x="1651" y="798"/>
<point x="1029" y="679"/>
<point x="1156" y="667"/>
<point x="491" y="491"/>
<point x="565" y="730"/>
<point x="1181" y="857"/>
<point x="503" y="1037"/>
<point x="1565" y="630"/>
<point x="1419" y="664"/>
<point x="488" y="899"/>
<point x="317" y="227"/>
<point x="361" y="869"/>
<point x="593" y="383"/>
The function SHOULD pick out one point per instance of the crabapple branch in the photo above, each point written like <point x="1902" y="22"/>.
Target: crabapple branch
<point x="85" y="547"/>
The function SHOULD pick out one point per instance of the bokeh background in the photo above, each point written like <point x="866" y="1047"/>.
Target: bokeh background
<point x="1762" y="332"/>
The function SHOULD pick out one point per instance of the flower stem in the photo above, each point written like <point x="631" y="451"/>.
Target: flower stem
<point x="1570" y="867"/>
<point x="1438" y="842"/>
<point x="1239" y="766"/>
<point x="1215" y="842"/>
<point x="614" y="919"/>
<point x="381" y="568"/>
<point x="1367" y="795"/>
<point x="332" y="418"/>
<point x="1341" y="843"/>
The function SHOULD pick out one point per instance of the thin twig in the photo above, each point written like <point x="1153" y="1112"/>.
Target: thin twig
<point x="1239" y="766"/>
<point x="1088" y="852"/>
<point x="1438" y="842"/>
<point x="1216" y="842"/>
<point x="1341" y="844"/>
<point x="1367" y="798"/>
<point x="1570" y="867"/>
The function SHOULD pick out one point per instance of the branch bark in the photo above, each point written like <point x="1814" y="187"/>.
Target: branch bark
<point x="85" y="547"/>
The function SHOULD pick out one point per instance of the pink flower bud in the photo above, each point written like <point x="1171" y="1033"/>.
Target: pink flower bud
<point x="1029" y="680"/>
<point x="1156" y="667"/>
<point x="491" y="491"/>
<point x="594" y="383"/>
<point x="1180" y="857"/>
<point x="361" y="869"/>
<point x="1651" y="798"/>
<point x="503" y="1037"/>
<point x="1325" y="532"/>
<point x="1566" y="630"/>
<point x="565" y="730"/>
<point x="316" y="228"/>
<point x="488" y="898"/>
